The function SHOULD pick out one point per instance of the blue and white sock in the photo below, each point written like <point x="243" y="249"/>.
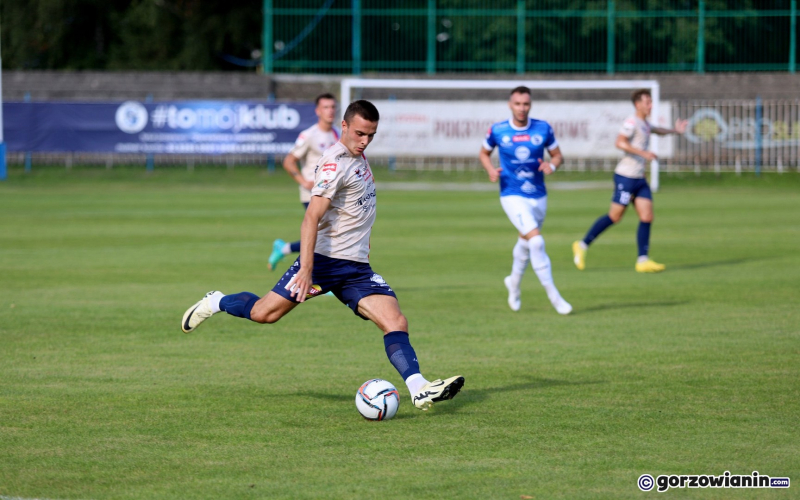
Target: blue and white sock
<point x="404" y="360"/>
<point x="238" y="304"/>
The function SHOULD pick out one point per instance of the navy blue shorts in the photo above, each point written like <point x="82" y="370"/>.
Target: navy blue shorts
<point x="348" y="280"/>
<point x="626" y="189"/>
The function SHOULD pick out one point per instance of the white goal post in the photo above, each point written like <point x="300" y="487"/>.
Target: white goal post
<point x="349" y="84"/>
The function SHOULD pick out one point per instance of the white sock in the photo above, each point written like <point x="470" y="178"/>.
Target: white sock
<point x="583" y="245"/>
<point x="415" y="383"/>
<point x="213" y="301"/>
<point x="541" y="265"/>
<point x="520" y="263"/>
<point x="287" y="249"/>
<point x="642" y="258"/>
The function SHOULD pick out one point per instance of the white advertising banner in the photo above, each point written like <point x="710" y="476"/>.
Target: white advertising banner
<point x="584" y="129"/>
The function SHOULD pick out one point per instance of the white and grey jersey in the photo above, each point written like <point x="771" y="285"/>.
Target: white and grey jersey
<point x="346" y="180"/>
<point x="308" y="148"/>
<point x="638" y="132"/>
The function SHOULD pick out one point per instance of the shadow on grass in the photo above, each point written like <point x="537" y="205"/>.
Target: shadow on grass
<point x="469" y="397"/>
<point x="626" y="305"/>
<point x="466" y="397"/>
<point x="687" y="266"/>
<point x="717" y="263"/>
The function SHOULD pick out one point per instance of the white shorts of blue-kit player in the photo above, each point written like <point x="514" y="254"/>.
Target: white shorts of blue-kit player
<point x="526" y="214"/>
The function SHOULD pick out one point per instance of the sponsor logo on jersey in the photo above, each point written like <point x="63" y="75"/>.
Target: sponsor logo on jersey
<point x="524" y="174"/>
<point x="528" y="188"/>
<point x="537" y="140"/>
<point x="365" y="198"/>
<point x="329" y="171"/>
<point x="506" y="140"/>
<point x="522" y="153"/>
<point x="522" y="138"/>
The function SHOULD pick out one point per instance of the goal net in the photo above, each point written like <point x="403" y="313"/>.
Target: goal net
<point x="441" y="124"/>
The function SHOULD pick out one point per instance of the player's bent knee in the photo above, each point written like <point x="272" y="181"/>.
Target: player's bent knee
<point x="396" y="323"/>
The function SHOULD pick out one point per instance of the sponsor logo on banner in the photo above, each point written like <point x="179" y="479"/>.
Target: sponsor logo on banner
<point x="131" y="117"/>
<point x="585" y="129"/>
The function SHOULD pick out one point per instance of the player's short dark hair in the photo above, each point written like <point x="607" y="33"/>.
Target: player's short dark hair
<point x="362" y="108"/>
<point x="326" y="95"/>
<point x="522" y="89"/>
<point x="638" y="94"/>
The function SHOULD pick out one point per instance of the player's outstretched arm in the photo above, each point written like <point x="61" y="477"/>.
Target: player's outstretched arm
<point x="486" y="162"/>
<point x="624" y="143"/>
<point x="290" y="165"/>
<point x="308" y="241"/>
<point x="680" y="128"/>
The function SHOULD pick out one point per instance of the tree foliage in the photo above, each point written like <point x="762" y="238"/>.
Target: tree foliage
<point x="470" y="34"/>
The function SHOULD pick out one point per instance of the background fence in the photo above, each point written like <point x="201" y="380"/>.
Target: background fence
<point x="356" y="36"/>
<point x="723" y="135"/>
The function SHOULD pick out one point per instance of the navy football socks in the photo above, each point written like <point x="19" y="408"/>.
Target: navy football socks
<point x="643" y="238"/>
<point x="238" y="304"/>
<point x="600" y="225"/>
<point x="401" y="354"/>
<point x="294" y="246"/>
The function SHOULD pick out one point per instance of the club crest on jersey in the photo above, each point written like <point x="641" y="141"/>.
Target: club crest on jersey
<point x="522" y="153"/>
<point x="537" y="140"/>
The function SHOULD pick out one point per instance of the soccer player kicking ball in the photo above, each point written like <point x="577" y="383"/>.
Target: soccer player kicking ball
<point x="630" y="184"/>
<point x="522" y="141"/>
<point x="334" y="256"/>
<point x="308" y="148"/>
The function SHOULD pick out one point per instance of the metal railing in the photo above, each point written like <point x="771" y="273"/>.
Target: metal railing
<point x="433" y="36"/>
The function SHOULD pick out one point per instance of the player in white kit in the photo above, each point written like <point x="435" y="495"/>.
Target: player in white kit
<point x="307" y="150"/>
<point x="630" y="183"/>
<point x="334" y="256"/>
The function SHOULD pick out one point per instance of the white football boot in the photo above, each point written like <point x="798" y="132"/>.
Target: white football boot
<point x="562" y="306"/>
<point x="438" y="390"/>
<point x="198" y="313"/>
<point x="514" y="301"/>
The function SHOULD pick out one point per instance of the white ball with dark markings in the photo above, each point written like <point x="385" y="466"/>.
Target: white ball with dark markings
<point x="377" y="399"/>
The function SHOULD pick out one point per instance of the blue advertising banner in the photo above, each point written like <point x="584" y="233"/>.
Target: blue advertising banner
<point x="188" y="127"/>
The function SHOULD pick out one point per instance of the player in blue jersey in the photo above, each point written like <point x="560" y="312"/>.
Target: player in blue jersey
<point x="630" y="184"/>
<point x="521" y="142"/>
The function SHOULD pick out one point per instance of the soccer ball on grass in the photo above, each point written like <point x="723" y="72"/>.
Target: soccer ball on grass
<point x="377" y="399"/>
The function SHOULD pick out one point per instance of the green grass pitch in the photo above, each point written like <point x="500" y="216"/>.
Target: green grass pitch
<point x="692" y="371"/>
